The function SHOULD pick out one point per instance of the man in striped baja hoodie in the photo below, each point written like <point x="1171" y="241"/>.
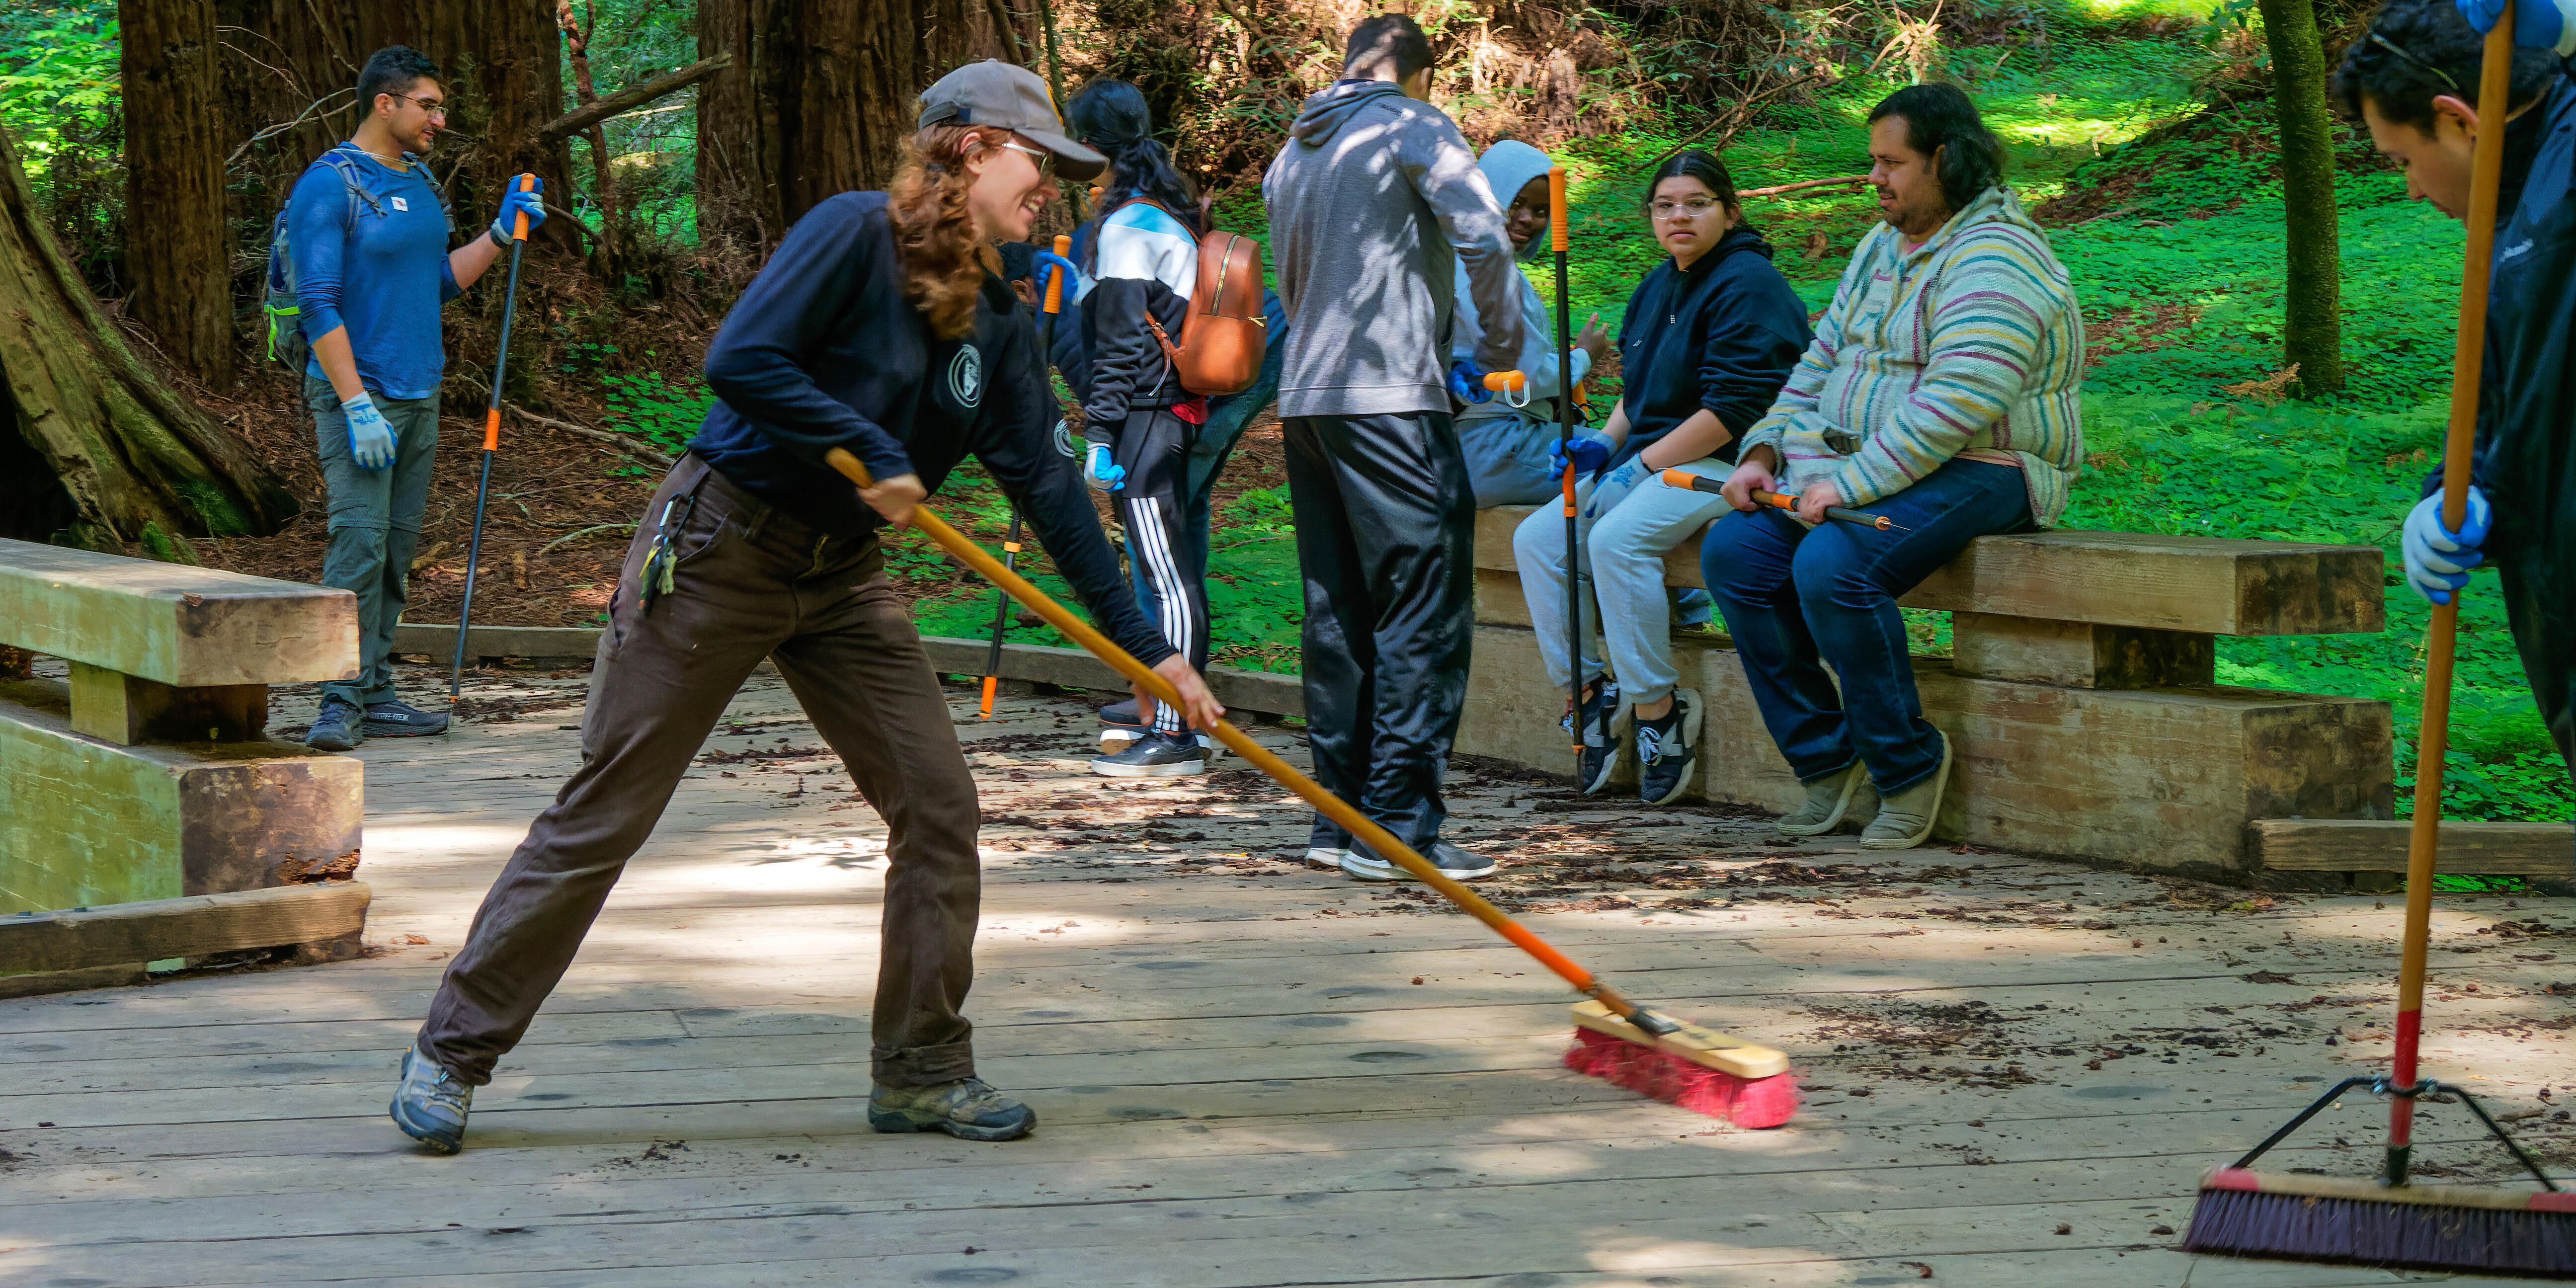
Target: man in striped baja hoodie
<point x="1942" y="392"/>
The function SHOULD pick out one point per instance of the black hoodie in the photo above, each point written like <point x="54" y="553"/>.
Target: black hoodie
<point x="1722" y="335"/>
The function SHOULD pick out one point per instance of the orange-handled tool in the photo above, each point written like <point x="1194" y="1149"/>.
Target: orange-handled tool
<point x="1782" y="501"/>
<point x="1741" y="1058"/>
<point x="1574" y="566"/>
<point x="491" y="443"/>
<point x="1011" y="544"/>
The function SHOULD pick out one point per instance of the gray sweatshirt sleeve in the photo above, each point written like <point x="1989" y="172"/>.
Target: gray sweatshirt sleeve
<point x="1442" y="168"/>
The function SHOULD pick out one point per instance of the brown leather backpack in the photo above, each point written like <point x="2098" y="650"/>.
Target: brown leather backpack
<point x="1224" y="335"/>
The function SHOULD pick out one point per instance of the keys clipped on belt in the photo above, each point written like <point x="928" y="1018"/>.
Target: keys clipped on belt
<point x="661" y="562"/>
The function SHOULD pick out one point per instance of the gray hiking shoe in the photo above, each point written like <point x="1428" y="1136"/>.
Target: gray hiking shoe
<point x="401" y="720"/>
<point x="1598" y="721"/>
<point x="1667" y="749"/>
<point x="1864" y="807"/>
<point x="430" y="1103"/>
<point x="1454" y="863"/>
<point x="1828" y="799"/>
<point x="968" y="1109"/>
<point x="336" y="727"/>
<point x="1905" y="819"/>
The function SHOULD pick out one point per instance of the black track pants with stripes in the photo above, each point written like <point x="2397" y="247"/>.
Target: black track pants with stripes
<point x="1154" y="448"/>
<point x="1386" y="533"/>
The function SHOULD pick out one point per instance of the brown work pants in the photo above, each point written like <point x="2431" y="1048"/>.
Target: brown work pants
<point x="751" y="584"/>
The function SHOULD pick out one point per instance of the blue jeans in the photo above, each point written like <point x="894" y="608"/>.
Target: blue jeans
<point x="1793" y="596"/>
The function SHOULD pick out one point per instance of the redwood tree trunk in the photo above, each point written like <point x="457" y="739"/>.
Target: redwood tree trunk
<point x="94" y="449"/>
<point x="2312" y="312"/>
<point x="176" y="248"/>
<point x="819" y="100"/>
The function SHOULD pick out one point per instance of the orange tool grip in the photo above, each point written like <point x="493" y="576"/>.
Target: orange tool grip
<point x="527" y="183"/>
<point x="1503" y="380"/>
<point x="1556" y="240"/>
<point x="1686" y="479"/>
<point x="492" y="430"/>
<point x="991" y="682"/>
<point x="1055" y="280"/>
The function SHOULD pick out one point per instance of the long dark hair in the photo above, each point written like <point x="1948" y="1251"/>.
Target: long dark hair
<point x="1695" y="163"/>
<point x="1940" y="118"/>
<point x="1111" y="116"/>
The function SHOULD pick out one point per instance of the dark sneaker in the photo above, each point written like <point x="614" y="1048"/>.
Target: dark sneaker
<point x="1156" y="755"/>
<point x="336" y="728"/>
<point x="401" y="720"/>
<point x="430" y="1103"/>
<point x="1667" y="748"/>
<point x="1454" y="863"/>
<point x="1600" y="719"/>
<point x="968" y="1109"/>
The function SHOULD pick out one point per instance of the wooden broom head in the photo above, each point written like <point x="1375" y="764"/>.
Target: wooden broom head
<point x="1700" y="1046"/>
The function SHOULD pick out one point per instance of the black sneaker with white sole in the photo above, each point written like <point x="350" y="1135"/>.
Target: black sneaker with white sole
<point x="1599" y="722"/>
<point x="1454" y="863"/>
<point x="1667" y="749"/>
<point x="1156" y="755"/>
<point x="401" y="720"/>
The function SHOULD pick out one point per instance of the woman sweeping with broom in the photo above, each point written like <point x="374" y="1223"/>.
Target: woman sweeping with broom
<point x="875" y="330"/>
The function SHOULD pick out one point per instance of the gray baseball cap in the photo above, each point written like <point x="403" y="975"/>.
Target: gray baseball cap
<point x="1002" y="96"/>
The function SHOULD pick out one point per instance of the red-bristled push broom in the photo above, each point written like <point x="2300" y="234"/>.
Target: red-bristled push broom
<point x="2389" y="1222"/>
<point x="1617" y="1040"/>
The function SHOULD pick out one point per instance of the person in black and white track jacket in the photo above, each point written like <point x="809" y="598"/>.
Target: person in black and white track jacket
<point x="1138" y="423"/>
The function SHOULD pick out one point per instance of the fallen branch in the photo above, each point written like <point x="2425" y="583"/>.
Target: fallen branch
<point x="624" y="443"/>
<point x="576" y="536"/>
<point x="631" y="97"/>
<point x="1802" y="185"/>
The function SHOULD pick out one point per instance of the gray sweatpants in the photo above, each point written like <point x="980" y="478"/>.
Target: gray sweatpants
<point x="375" y="526"/>
<point x="1627" y="520"/>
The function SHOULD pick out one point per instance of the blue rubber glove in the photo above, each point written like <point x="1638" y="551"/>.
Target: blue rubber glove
<point x="514" y="201"/>
<point x="1589" y="455"/>
<point x="1467" y="385"/>
<point x="1048" y="264"/>
<point x="2537" y="24"/>
<point x="371" y="436"/>
<point x="2438" y="560"/>
<point x="1102" y="474"/>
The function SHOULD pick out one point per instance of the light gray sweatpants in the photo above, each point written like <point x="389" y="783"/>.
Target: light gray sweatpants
<point x="1626" y="520"/>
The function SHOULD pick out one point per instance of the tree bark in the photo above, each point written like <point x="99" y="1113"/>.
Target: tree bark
<point x="603" y="178"/>
<point x="2312" y="317"/>
<point x="176" y="249"/>
<point x="95" y="450"/>
<point x="819" y="101"/>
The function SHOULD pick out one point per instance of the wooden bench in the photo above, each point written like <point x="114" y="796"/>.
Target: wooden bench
<point x="2080" y="695"/>
<point x="147" y="775"/>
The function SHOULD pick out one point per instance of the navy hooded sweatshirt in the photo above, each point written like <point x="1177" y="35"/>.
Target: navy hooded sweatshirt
<point x="824" y="351"/>
<point x="1722" y="335"/>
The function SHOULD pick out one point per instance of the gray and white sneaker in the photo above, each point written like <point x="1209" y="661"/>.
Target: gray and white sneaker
<point x="401" y="720"/>
<point x="1667" y="749"/>
<point x="1599" y="722"/>
<point x="968" y="1109"/>
<point x="1454" y="863"/>
<point x="430" y="1103"/>
<point x="1156" y="755"/>
<point x="336" y="727"/>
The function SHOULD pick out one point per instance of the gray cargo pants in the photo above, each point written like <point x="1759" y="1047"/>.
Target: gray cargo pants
<point x="375" y="526"/>
<point x="751" y="584"/>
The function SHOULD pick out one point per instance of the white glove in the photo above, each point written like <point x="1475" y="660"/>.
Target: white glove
<point x="371" y="436"/>
<point x="2438" y="560"/>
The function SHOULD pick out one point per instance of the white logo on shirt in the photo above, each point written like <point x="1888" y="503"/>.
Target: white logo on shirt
<point x="2516" y="252"/>
<point x="400" y="204"/>
<point x="966" y="376"/>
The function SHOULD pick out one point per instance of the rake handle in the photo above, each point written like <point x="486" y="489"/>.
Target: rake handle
<point x="1779" y="500"/>
<point x="2424" y="838"/>
<point x="491" y="444"/>
<point x="1333" y="807"/>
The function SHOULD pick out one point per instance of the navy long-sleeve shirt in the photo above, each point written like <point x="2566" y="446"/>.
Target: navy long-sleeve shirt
<point x="1722" y="336"/>
<point x="376" y="264"/>
<point x="824" y="351"/>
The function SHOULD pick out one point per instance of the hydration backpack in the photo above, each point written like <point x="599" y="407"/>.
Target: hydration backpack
<point x="280" y="315"/>
<point x="1223" y="335"/>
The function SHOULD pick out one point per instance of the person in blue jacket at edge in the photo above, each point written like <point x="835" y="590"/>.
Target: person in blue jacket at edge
<point x="2413" y="80"/>
<point x="368" y="235"/>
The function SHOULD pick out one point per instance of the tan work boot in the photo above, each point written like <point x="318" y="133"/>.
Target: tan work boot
<point x="1905" y="819"/>
<point x="1828" y="799"/>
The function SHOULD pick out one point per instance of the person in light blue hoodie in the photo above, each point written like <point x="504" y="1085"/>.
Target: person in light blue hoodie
<point x="368" y="233"/>
<point x="1508" y="447"/>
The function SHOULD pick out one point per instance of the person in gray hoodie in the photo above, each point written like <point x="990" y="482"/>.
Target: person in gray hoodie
<point x="1373" y="203"/>
<point x="1508" y="447"/>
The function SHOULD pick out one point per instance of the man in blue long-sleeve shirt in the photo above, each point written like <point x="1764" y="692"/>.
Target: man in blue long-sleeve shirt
<point x="368" y="233"/>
